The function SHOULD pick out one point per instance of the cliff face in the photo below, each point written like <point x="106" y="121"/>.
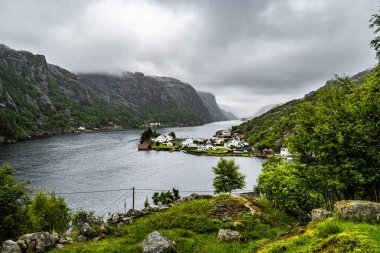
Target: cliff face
<point x="38" y="98"/>
<point x="136" y="92"/>
<point x="217" y="114"/>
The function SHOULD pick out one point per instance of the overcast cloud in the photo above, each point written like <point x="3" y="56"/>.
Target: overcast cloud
<point x="248" y="53"/>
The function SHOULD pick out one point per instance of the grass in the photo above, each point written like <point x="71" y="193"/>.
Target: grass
<point x="331" y="235"/>
<point x="193" y="226"/>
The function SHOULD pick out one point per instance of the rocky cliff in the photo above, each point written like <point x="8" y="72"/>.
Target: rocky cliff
<point x="38" y="98"/>
<point x="137" y="92"/>
<point x="217" y="114"/>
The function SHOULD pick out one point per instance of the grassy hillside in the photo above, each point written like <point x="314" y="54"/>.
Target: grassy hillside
<point x="194" y="225"/>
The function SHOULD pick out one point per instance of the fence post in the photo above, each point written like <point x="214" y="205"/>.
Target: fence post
<point x="133" y="198"/>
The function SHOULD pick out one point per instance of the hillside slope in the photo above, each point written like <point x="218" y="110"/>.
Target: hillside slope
<point x="270" y="129"/>
<point x="38" y="98"/>
<point x="215" y="111"/>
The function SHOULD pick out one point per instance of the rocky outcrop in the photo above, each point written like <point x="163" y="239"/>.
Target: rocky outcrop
<point x="228" y="235"/>
<point x="215" y="111"/>
<point x="10" y="246"/>
<point x="320" y="214"/>
<point x="37" y="242"/>
<point x="358" y="210"/>
<point x="157" y="243"/>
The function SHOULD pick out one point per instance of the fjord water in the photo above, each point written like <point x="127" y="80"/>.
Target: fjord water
<point x="109" y="160"/>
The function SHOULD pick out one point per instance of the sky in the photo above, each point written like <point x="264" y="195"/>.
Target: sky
<point x="247" y="53"/>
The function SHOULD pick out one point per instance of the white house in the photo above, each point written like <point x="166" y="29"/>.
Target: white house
<point x="219" y="141"/>
<point x="81" y="128"/>
<point x="284" y="152"/>
<point x="187" y="142"/>
<point x="233" y="143"/>
<point x="226" y="133"/>
<point x="161" y="139"/>
<point x="192" y="145"/>
<point x="209" y="147"/>
<point x="169" y="138"/>
<point x="201" y="147"/>
<point x="170" y="144"/>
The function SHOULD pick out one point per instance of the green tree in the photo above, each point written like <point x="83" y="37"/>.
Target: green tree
<point x="227" y="176"/>
<point x="375" y="24"/>
<point x="49" y="212"/>
<point x="172" y="134"/>
<point x="336" y="140"/>
<point x="281" y="183"/>
<point x="14" y="219"/>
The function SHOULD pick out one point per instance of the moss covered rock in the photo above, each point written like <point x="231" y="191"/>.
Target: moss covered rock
<point x="358" y="210"/>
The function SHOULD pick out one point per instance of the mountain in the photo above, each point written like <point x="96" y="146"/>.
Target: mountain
<point x="217" y="114"/>
<point x="229" y="115"/>
<point x="270" y="129"/>
<point x="263" y="110"/>
<point x="38" y="98"/>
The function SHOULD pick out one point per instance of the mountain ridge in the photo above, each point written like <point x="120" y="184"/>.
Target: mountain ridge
<point x="39" y="98"/>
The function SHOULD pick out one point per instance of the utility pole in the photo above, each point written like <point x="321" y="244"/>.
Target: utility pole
<point x="133" y="197"/>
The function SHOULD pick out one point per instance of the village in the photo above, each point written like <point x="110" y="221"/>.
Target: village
<point x="223" y="143"/>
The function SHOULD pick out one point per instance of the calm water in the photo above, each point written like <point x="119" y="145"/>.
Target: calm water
<point x="110" y="160"/>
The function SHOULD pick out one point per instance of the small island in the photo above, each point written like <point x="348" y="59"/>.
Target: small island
<point x="222" y="143"/>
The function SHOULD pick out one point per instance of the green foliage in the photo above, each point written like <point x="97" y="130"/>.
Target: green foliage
<point x="172" y="134"/>
<point x="336" y="141"/>
<point x="49" y="212"/>
<point x="227" y="176"/>
<point x="375" y="24"/>
<point x="281" y="183"/>
<point x="14" y="219"/>
<point x="165" y="198"/>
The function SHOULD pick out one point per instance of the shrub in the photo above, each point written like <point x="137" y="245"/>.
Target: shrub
<point x="14" y="219"/>
<point x="166" y="198"/>
<point x="49" y="212"/>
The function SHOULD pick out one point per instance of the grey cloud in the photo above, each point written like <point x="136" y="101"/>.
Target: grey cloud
<point x="247" y="53"/>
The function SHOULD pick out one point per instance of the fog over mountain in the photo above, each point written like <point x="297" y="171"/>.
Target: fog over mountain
<point x="248" y="53"/>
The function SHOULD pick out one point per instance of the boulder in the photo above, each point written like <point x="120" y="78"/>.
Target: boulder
<point x="115" y="218"/>
<point x="320" y="214"/>
<point x="157" y="243"/>
<point x="88" y="231"/>
<point x="134" y="213"/>
<point x="81" y="238"/>
<point x="37" y="242"/>
<point x="65" y="240"/>
<point x="228" y="235"/>
<point x="10" y="246"/>
<point x="358" y="210"/>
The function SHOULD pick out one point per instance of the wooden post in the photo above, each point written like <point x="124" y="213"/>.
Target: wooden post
<point x="133" y="198"/>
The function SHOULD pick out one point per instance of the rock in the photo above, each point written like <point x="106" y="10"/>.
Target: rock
<point x="127" y="220"/>
<point x="59" y="246"/>
<point x="88" y="231"/>
<point x="162" y="208"/>
<point x="120" y="224"/>
<point x="157" y="243"/>
<point x="81" y="238"/>
<point x="228" y="235"/>
<point x="358" y="210"/>
<point x="37" y="242"/>
<point x="65" y="240"/>
<point x="10" y="246"/>
<point x="134" y="213"/>
<point x="22" y="245"/>
<point x="320" y="214"/>
<point x="115" y="218"/>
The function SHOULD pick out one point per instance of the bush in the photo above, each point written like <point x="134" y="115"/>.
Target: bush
<point x="166" y="198"/>
<point x="49" y="212"/>
<point x="14" y="219"/>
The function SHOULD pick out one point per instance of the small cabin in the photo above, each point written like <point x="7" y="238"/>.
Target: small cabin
<point x="143" y="146"/>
